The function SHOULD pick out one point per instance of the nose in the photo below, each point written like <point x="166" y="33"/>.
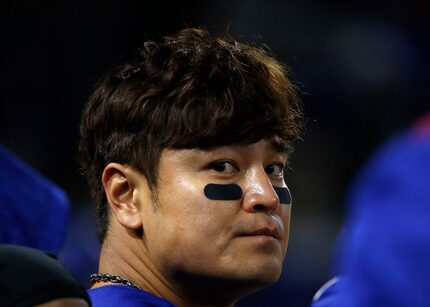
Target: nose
<point x="259" y="194"/>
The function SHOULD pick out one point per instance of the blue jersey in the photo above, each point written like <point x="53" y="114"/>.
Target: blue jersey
<point x="383" y="256"/>
<point x="124" y="296"/>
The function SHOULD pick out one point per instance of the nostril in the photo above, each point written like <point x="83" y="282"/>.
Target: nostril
<point x="259" y="207"/>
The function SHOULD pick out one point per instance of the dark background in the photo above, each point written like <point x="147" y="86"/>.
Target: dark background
<point x="362" y="68"/>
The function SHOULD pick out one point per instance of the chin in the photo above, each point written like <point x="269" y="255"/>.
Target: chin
<point x="266" y="275"/>
<point x="261" y="272"/>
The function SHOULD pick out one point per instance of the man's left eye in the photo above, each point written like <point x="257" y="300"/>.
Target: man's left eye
<point x="275" y="170"/>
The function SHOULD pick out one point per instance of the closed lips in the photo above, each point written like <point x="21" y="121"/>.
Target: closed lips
<point x="270" y="232"/>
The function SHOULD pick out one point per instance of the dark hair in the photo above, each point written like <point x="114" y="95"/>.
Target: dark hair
<point x="189" y="90"/>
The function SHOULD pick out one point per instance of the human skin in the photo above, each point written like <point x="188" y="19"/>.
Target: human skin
<point x="187" y="248"/>
<point x="65" y="302"/>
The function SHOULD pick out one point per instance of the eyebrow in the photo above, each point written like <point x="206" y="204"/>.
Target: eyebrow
<point x="278" y="146"/>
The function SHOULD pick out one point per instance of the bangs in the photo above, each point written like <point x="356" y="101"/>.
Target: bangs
<point x="207" y="125"/>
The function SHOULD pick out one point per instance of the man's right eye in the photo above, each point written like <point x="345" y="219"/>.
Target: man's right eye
<point x="224" y="167"/>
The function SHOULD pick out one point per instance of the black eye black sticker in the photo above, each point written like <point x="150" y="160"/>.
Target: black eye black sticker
<point x="233" y="191"/>
<point x="223" y="191"/>
<point x="284" y="195"/>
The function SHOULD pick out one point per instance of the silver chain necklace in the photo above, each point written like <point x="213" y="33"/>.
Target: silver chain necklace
<point x="96" y="277"/>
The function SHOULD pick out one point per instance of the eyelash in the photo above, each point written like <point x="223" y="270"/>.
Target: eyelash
<point x="222" y="163"/>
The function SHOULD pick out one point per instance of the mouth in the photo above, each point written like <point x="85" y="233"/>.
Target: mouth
<point x="268" y="232"/>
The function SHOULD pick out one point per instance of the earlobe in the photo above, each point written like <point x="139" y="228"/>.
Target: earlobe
<point x="119" y="189"/>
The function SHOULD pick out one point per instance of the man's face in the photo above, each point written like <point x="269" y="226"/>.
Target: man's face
<point x="192" y="232"/>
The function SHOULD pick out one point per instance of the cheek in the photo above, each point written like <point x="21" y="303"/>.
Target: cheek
<point x="199" y="225"/>
<point x="189" y="212"/>
<point x="285" y="214"/>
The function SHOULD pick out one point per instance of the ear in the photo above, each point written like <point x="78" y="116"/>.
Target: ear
<point x="119" y="188"/>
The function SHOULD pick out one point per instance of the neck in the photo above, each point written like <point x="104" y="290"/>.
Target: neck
<point x="130" y="259"/>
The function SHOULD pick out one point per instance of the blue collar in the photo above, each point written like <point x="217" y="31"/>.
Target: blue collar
<point x="118" y="295"/>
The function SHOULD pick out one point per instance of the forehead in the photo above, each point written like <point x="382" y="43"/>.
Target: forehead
<point x="272" y="146"/>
